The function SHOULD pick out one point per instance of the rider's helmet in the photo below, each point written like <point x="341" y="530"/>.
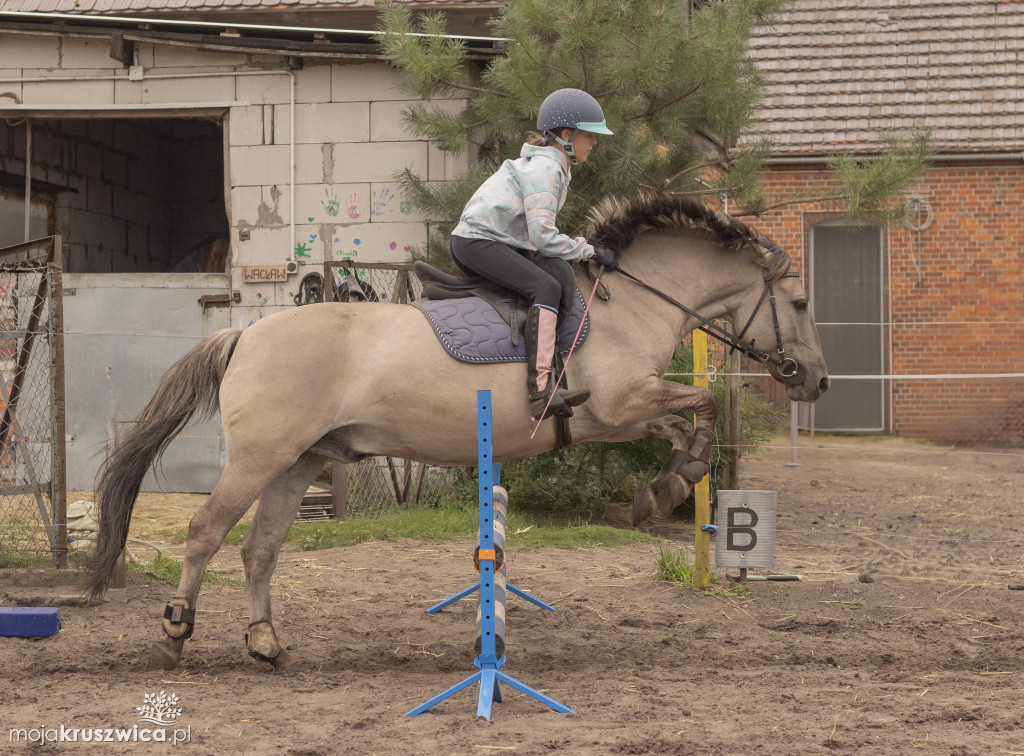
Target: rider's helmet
<point x="573" y="109"/>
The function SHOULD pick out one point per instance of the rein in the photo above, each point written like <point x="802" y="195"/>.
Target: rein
<point x="792" y="371"/>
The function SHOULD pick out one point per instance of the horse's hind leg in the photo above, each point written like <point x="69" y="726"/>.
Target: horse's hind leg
<point x="234" y="494"/>
<point x="279" y="502"/>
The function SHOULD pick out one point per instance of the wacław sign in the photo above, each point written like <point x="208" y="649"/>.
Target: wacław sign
<point x="746" y="529"/>
<point x="264" y="273"/>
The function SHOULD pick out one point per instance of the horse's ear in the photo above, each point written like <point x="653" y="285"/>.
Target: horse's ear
<point x="762" y="254"/>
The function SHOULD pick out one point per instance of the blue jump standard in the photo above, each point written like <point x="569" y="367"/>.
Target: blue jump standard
<point x="487" y="660"/>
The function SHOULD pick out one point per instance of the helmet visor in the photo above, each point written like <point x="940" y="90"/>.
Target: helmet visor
<point x="594" y="127"/>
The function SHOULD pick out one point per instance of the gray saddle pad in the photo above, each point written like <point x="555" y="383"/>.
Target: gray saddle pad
<point x="473" y="331"/>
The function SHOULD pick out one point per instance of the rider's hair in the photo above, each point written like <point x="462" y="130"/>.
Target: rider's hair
<point x="536" y="139"/>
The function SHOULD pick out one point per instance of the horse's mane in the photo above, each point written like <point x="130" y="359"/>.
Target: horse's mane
<point x="616" y="223"/>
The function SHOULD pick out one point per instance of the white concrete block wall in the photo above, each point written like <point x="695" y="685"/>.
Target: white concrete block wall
<point x="349" y="143"/>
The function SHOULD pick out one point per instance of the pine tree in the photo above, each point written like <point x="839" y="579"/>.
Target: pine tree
<point x="676" y="85"/>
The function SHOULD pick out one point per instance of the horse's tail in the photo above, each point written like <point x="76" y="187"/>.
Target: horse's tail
<point x="189" y="387"/>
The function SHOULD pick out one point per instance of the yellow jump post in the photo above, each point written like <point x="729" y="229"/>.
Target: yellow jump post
<point x="701" y="492"/>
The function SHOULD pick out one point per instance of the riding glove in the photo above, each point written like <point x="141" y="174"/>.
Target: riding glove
<point x="606" y="257"/>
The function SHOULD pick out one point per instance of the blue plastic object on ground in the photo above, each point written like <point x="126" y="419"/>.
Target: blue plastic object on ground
<point x="29" y="621"/>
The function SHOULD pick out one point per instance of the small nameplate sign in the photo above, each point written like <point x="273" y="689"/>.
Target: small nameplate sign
<point x="264" y="273"/>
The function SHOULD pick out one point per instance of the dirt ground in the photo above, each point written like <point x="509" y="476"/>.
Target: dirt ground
<point x="902" y="638"/>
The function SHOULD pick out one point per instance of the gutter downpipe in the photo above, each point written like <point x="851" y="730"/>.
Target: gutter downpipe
<point x="28" y="178"/>
<point x="293" y="265"/>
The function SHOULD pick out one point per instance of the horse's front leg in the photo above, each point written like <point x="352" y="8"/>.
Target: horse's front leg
<point x="279" y="502"/>
<point x="690" y="459"/>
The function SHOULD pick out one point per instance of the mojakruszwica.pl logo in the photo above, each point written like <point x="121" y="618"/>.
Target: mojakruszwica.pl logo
<point x="159" y="722"/>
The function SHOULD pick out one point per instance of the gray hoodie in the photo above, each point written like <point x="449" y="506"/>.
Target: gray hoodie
<point x="518" y="204"/>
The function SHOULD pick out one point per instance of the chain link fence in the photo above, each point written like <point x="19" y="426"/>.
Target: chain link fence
<point x="380" y="485"/>
<point x="32" y="491"/>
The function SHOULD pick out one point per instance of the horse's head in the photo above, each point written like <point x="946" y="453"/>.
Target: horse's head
<point x="749" y="282"/>
<point x="780" y="327"/>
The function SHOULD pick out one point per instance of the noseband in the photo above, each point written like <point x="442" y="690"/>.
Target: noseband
<point x="793" y="373"/>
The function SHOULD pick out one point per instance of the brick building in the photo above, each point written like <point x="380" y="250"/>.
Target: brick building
<point x="944" y="296"/>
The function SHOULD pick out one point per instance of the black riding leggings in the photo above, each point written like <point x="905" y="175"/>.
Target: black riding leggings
<point x="510" y="268"/>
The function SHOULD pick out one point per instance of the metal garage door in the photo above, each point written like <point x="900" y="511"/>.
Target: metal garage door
<point x="847" y="296"/>
<point x="123" y="330"/>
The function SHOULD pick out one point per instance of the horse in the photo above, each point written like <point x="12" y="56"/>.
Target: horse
<point x="386" y="386"/>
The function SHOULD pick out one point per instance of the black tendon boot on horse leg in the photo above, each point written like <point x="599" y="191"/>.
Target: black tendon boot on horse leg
<point x="540" y="352"/>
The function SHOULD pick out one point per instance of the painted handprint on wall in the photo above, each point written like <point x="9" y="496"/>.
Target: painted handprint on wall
<point x="382" y="199"/>
<point x="330" y="201"/>
<point x="353" y="205"/>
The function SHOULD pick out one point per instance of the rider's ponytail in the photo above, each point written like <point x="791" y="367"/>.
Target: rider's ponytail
<point x="536" y="139"/>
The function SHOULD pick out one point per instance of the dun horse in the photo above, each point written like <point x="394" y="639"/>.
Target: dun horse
<point x="385" y="386"/>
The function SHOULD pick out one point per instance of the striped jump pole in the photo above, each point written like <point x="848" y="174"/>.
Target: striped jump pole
<point x="500" y="494"/>
<point x="490" y="654"/>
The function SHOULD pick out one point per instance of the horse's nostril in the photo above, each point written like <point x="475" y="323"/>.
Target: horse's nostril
<point x="823" y="384"/>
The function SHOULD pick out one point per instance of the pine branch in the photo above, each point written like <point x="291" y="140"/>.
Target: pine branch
<point x="669" y="104"/>
<point x="690" y="169"/>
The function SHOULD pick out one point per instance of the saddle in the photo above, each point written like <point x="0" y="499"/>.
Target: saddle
<point x="478" y="321"/>
<point x="438" y="285"/>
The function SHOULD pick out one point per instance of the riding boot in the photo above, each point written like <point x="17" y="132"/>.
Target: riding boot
<point x="540" y="352"/>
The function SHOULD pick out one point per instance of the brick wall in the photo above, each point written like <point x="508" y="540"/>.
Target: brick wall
<point x="964" y="313"/>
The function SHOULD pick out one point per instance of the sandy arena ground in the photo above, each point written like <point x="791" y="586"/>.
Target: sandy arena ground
<point x="903" y="637"/>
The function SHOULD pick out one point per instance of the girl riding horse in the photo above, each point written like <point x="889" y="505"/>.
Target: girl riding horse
<point x="507" y="233"/>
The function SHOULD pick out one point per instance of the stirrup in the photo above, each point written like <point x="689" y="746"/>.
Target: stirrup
<point x="561" y="404"/>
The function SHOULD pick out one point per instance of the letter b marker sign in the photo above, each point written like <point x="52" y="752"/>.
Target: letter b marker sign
<point x="746" y="529"/>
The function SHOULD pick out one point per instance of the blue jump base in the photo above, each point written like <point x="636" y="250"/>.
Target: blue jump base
<point x="487" y="662"/>
<point x="29" y="621"/>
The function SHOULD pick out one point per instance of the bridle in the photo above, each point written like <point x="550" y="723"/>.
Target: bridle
<point x="793" y="373"/>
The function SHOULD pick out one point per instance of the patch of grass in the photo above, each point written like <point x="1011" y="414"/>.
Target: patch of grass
<point x="432" y="525"/>
<point x="444" y="525"/>
<point x="441" y="525"/>
<point x="678" y="569"/>
<point x="675" y="568"/>
<point x="20" y="560"/>
<point x="165" y="570"/>
<point x="237" y="534"/>
<point x="178" y="536"/>
<point x="570" y="537"/>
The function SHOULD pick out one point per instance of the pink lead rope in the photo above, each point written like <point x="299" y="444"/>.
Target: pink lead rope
<point x="572" y="349"/>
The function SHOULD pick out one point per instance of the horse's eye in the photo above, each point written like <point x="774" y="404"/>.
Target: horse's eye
<point x="800" y="304"/>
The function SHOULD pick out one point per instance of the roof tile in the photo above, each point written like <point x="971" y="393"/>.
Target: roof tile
<point x="841" y="73"/>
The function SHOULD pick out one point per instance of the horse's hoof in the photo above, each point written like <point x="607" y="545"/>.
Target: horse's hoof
<point x="643" y="505"/>
<point x="166" y="654"/>
<point x="286" y="664"/>
<point x="670" y="493"/>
